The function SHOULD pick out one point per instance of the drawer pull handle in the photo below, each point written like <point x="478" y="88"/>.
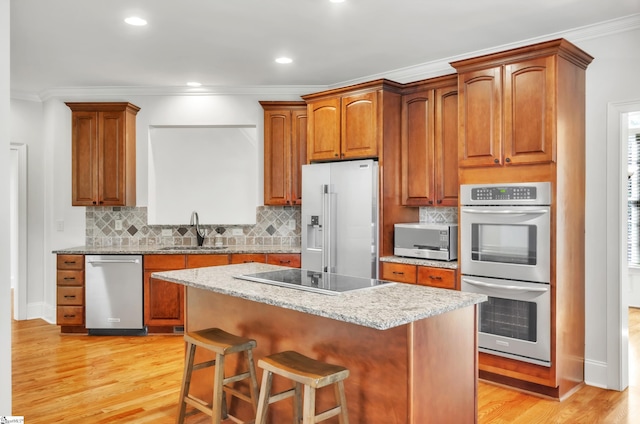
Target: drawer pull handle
<point x="285" y="262"/>
<point x="247" y="262"/>
<point x="70" y="262"/>
<point x="69" y="296"/>
<point x="398" y="272"/>
<point x="69" y="316"/>
<point x="433" y="277"/>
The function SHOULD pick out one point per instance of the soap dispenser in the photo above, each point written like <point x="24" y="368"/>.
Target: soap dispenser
<point x="218" y="237"/>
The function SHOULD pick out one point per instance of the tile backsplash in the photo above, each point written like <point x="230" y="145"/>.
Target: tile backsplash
<point x="439" y="215"/>
<point x="127" y="226"/>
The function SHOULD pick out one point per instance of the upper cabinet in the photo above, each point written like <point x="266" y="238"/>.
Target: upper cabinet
<point x="285" y="151"/>
<point x="103" y="158"/>
<point x="347" y="123"/>
<point x="430" y="143"/>
<point x="508" y="105"/>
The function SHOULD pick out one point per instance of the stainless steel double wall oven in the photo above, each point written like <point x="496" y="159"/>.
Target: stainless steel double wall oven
<point x="506" y="254"/>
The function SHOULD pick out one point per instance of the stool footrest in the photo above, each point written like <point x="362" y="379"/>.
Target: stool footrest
<point x="329" y="413"/>
<point x="237" y="377"/>
<point x="202" y="365"/>
<point x="237" y="393"/>
<point x="282" y="395"/>
<point x="199" y="404"/>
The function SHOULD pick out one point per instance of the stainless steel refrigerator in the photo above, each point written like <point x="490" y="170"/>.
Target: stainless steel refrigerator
<point x="340" y="217"/>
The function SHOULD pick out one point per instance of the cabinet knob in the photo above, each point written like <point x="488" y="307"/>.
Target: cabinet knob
<point x="439" y="201"/>
<point x="94" y="202"/>
<point x="496" y="161"/>
<point x="508" y="160"/>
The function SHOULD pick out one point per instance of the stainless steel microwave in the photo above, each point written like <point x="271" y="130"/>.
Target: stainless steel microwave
<point x="426" y="241"/>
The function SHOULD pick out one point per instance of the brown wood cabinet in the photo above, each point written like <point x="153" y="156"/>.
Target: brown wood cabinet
<point x="70" y="293"/>
<point x="292" y="260"/>
<point x="430" y="142"/>
<point x="522" y="119"/>
<point x="443" y="278"/>
<point x="347" y="123"/>
<point x="508" y="112"/>
<point x="285" y="151"/>
<point x="103" y="154"/>
<point x="163" y="301"/>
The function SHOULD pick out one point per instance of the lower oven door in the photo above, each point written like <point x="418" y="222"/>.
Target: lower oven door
<point x="515" y="322"/>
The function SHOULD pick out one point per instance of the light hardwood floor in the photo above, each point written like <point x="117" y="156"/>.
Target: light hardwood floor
<point x="83" y="379"/>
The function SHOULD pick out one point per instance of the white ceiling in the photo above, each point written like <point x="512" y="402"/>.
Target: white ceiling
<point x="85" y="43"/>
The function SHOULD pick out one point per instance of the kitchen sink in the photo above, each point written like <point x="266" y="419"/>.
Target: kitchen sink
<point x="193" y="248"/>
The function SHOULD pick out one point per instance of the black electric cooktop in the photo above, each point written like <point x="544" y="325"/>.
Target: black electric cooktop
<point x="314" y="281"/>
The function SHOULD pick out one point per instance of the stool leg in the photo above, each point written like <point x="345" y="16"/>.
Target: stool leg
<point x="218" y="376"/>
<point x="186" y="381"/>
<point x="265" y="394"/>
<point x="297" y="404"/>
<point x="342" y="401"/>
<point x="309" y="408"/>
<point x="253" y="384"/>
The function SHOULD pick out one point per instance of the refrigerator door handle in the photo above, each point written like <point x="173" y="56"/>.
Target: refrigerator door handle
<point x="326" y="226"/>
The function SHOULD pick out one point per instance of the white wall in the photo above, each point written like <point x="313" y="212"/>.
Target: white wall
<point x="5" y="277"/>
<point x="612" y="77"/>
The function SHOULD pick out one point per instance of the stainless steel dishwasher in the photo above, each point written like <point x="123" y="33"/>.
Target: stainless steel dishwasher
<point x="113" y="295"/>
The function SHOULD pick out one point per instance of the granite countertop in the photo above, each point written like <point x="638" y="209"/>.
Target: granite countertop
<point x="421" y="262"/>
<point x="173" y="250"/>
<point x="380" y="307"/>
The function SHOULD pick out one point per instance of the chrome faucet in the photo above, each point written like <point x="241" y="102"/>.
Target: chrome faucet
<point x="199" y="233"/>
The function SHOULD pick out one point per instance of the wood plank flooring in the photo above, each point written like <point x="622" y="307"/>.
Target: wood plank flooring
<point x="82" y="379"/>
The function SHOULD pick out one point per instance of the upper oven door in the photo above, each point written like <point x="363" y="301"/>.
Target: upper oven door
<point x="511" y="242"/>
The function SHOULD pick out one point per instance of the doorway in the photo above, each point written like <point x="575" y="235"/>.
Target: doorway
<point x="18" y="225"/>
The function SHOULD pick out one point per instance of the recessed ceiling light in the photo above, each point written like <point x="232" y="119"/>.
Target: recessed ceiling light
<point x="194" y="84"/>
<point x="284" y="60"/>
<point x="136" y="21"/>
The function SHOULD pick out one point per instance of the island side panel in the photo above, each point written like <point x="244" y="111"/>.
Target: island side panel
<point x="378" y="361"/>
<point x="444" y="363"/>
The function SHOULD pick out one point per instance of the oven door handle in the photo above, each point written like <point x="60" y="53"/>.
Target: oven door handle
<point x="500" y="286"/>
<point x="506" y="212"/>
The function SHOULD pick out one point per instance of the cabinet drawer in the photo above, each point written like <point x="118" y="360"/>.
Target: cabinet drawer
<point x="437" y="277"/>
<point x="70" y="278"/>
<point x="167" y="262"/>
<point x="284" y="259"/>
<point x="70" y="315"/>
<point x="402" y="273"/>
<point x="196" y="261"/>
<point x="70" y="262"/>
<point x="243" y="258"/>
<point x="71" y="296"/>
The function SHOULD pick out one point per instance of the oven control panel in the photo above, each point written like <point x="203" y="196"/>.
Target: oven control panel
<point x="538" y="193"/>
<point x="503" y="193"/>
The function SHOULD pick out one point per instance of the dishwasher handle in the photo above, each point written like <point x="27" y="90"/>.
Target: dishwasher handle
<point x="113" y="261"/>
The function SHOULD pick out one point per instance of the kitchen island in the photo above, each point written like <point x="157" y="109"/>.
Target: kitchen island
<point x="411" y="350"/>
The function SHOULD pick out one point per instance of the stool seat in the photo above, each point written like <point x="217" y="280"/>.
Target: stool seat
<point x="221" y="343"/>
<point x="308" y="375"/>
<point x="300" y="368"/>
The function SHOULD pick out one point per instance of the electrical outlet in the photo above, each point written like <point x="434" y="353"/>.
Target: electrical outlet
<point x="119" y="225"/>
<point x="291" y="224"/>
<point x="60" y="226"/>
<point x="166" y="232"/>
<point x="236" y="232"/>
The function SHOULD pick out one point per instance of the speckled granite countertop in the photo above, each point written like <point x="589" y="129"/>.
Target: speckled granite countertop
<point x="421" y="262"/>
<point x="172" y="250"/>
<point x="380" y="307"/>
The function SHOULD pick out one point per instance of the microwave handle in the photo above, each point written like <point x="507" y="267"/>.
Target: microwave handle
<point x="506" y="212"/>
<point x="500" y="286"/>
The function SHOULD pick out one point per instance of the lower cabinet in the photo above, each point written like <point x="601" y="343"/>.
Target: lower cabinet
<point x="164" y="301"/>
<point x="70" y="293"/>
<point x="444" y="278"/>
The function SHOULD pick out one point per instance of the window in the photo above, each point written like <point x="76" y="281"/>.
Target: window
<point x="633" y="189"/>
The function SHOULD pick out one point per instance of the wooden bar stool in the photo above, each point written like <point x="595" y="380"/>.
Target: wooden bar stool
<point x="222" y="343"/>
<point x="305" y="372"/>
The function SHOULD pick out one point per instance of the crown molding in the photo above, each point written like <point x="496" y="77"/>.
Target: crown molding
<point x="267" y="92"/>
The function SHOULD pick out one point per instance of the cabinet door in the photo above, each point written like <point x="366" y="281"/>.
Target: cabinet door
<point x="245" y="258"/>
<point x="323" y="135"/>
<point x="480" y="118"/>
<point x="197" y="261"/>
<point x="359" y="126"/>
<point x="112" y="159"/>
<point x="446" y="146"/>
<point x="163" y="302"/>
<point x="84" y="158"/>
<point x="418" y="172"/>
<point x="277" y="157"/>
<point x="298" y="153"/>
<point x="529" y="111"/>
